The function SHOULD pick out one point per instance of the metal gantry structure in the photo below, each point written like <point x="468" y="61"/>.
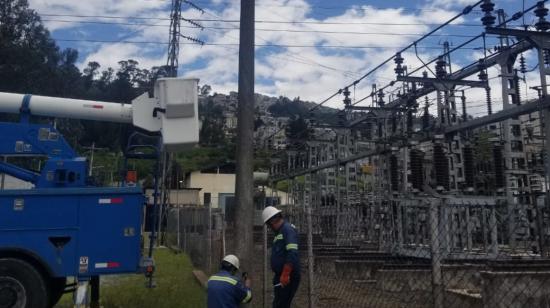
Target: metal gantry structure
<point x="441" y="185"/>
<point x="404" y="178"/>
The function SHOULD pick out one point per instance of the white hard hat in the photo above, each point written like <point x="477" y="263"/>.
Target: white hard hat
<point x="269" y="212"/>
<point x="233" y="260"/>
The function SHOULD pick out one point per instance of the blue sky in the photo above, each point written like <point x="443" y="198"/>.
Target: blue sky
<point x="311" y="63"/>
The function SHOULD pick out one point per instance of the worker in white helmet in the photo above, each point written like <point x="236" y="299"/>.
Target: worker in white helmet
<point x="225" y="289"/>
<point x="285" y="261"/>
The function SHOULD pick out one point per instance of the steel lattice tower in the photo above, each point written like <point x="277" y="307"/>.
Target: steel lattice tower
<point x="174" y="43"/>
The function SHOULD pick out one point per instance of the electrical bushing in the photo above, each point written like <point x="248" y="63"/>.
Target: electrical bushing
<point x="488" y="19"/>
<point x="426" y="116"/>
<point x="516" y="99"/>
<point x="394" y="173"/>
<point x="489" y="100"/>
<point x="417" y="169"/>
<point x="440" y="67"/>
<point x="469" y="169"/>
<point x="347" y="100"/>
<point x="399" y="69"/>
<point x="482" y="72"/>
<point x="381" y="95"/>
<point x="541" y="11"/>
<point x="522" y="66"/>
<point x="441" y="166"/>
<point x="409" y="121"/>
<point x="499" y="166"/>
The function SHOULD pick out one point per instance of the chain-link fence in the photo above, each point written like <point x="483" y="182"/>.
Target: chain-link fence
<point x="197" y="231"/>
<point x="437" y="251"/>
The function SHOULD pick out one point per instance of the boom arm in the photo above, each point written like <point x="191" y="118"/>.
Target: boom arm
<point x="173" y="111"/>
<point x="65" y="108"/>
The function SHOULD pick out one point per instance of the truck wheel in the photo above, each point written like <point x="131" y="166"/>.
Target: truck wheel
<point x="21" y="285"/>
<point x="57" y="289"/>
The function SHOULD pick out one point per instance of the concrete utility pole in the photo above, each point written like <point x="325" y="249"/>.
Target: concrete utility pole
<point x="244" y="194"/>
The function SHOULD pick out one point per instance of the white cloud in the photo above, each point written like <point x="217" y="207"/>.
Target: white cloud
<point x="310" y="73"/>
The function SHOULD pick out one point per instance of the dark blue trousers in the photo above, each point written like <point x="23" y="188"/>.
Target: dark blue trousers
<point x="283" y="296"/>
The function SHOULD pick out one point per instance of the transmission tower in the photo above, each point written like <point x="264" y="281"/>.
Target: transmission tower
<point x="174" y="43"/>
<point x="175" y="35"/>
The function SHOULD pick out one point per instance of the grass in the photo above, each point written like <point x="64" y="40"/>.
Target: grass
<point x="176" y="286"/>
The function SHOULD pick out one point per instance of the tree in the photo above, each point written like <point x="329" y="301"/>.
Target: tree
<point x="212" y="129"/>
<point x="205" y="90"/>
<point x="297" y="130"/>
<point x="30" y="60"/>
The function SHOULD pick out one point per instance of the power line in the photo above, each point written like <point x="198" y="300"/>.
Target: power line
<point x="261" y="21"/>
<point x="322" y="7"/>
<point x="256" y="45"/>
<point x="258" y="29"/>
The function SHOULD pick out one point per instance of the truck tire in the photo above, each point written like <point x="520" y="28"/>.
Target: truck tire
<point x="57" y="289"/>
<point x="21" y="285"/>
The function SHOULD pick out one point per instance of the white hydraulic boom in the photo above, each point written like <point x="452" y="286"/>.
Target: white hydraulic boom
<point x="173" y="111"/>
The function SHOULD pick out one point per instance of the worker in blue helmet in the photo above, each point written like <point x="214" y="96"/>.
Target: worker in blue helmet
<point x="285" y="261"/>
<point x="225" y="290"/>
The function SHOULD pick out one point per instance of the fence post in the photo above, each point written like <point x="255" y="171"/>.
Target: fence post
<point x="311" y="276"/>
<point x="437" y="283"/>
<point x="178" y="239"/>
<point x="210" y="237"/>
<point x="264" y="285"/>
<point x="494" y="232"/>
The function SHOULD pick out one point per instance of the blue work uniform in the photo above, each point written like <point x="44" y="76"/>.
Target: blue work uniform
<point x="227" y="291"/>
<point x="283" y="251"/>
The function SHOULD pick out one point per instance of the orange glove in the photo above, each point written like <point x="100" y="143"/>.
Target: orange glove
<point x="285" y="275"/>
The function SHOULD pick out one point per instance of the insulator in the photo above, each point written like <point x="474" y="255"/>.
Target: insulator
<point x="469" y="172"/>
<point x="522" y="67"/>
<point x="409" y="121"/>
<point x="346" y="92"/>
<point x="441" y="166"/>
<point x="399" y="69"/>
<point x="482" y="73"/>
<point x="426" y="116"/>
<point x="487" y="7"/>
<point x="499" y="166"/>
<point x="394" y="173"/>
<point x="547" y="56"/>
<point x="440" y="67"/>
<point x="381" y="98"/>
<point x="347" y="100"/>
<point x="516" y="98"/>
<point x="425" y="74"/>
<point x="489" y="100"/>
<point x="393" y="123"/>
<point x="380" y="131"/>
<point x="541" y="12"/>
<point x="464" y="113"/>
<point x="398" y="58"/>
<point x="417" y="169"/>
